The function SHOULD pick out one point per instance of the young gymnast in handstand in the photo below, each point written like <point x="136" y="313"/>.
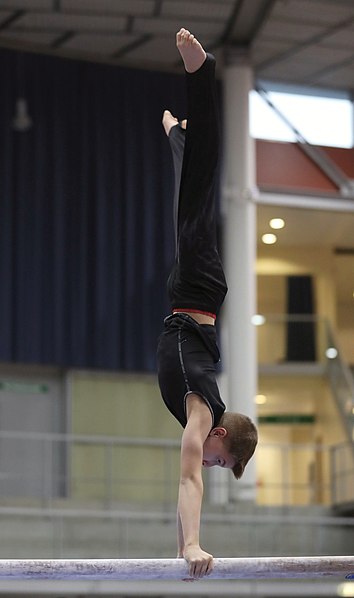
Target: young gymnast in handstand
<point x="187" y="349"/>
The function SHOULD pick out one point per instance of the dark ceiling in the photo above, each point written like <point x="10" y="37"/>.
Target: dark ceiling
<point x="304" y="42"/>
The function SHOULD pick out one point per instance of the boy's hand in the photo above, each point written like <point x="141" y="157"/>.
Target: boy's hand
<point x="200" y="562"/>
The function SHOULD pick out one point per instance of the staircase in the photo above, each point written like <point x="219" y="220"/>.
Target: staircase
<point x="342" y="384"/>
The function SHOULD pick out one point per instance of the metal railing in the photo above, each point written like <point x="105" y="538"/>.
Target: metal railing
<point x="342" y="385"/>
<point x="342" y="490"/>
<point x="275" y="334"/>
<point x="49" y="469"/>
<point x="273" y="346"/>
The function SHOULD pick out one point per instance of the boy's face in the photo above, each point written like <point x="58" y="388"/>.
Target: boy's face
<point x="215" y="451"/>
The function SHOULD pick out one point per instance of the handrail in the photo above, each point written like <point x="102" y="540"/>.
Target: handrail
<point x="56" y="478"/>
<point x="341" y="379"/>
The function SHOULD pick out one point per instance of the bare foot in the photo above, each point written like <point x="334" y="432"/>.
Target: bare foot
<point x="168" y="121"/>
<point x="192" y="52"/>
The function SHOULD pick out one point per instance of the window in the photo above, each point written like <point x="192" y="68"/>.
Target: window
<point x="320" y="120"/>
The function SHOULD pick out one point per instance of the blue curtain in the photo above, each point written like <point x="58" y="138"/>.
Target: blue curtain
<point x="86" y="239"/>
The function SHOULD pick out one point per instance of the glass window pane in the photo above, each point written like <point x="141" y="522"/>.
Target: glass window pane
<point x="320" y="120"/>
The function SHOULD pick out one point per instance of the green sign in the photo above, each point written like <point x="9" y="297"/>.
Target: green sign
<point x="295" y="418"/>
<point x="25" y="387"/>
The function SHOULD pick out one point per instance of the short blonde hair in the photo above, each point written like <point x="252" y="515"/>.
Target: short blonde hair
<point x="241" y="439"/>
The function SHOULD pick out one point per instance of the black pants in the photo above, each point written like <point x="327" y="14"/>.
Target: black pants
<point x="187" y="351"/>
<point x="197" y="279"/>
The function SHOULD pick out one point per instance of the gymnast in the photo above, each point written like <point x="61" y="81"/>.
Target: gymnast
<point x="187" y="349"/>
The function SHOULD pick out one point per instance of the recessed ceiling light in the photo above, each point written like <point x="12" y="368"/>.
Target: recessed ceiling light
<point x="258" y="320"/>
<point x="269" y="239"/>
<point x="277" y="223"/>
<point x="260" y="399"/>
<point x="331" y="353"/>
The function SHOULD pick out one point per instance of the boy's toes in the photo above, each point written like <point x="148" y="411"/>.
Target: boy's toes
<point x="168" y="121"/>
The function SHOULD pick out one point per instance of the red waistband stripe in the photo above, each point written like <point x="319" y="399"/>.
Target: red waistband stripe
<point x="194" y="311"/>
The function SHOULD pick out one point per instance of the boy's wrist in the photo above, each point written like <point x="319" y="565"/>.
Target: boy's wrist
<point x="194" y="544"/>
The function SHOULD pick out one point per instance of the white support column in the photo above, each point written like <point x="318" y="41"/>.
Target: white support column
<point x="239" y="186"/>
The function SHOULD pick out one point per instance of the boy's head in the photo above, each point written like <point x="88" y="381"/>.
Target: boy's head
<point x="231" y="444"/>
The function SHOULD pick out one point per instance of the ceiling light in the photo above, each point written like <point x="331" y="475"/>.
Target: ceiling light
<point x="331" y="353"/>
<point x="269" y="239"/>
<point x="260" y="399"/>
<point x="258" y="320"/>
<point x="277" y="223"/>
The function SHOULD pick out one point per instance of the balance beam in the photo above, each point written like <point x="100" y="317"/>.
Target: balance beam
<point x="176" y="569"/>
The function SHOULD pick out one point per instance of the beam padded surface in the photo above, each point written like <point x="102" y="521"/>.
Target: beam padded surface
<point x="174" y="569"/>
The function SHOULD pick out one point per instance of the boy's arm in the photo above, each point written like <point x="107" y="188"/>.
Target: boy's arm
<point x="180" y="538"/>
<point x="191" y="486"/>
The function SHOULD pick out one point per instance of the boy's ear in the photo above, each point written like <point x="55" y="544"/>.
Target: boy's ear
<point x="219" y="432"/>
